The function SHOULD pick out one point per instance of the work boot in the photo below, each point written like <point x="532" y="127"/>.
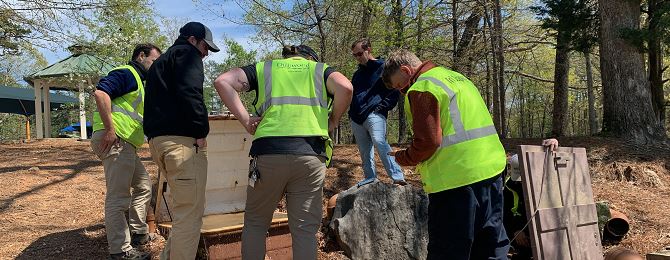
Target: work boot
<point x="366" y="182"/>
<point x="142" y="239"/>
<point x="132" y="254"/>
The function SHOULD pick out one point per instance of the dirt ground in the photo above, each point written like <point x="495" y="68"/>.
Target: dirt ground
<point x="52" y="194"/>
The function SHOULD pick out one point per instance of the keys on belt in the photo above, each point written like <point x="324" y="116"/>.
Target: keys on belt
<point x="254" y="174"/>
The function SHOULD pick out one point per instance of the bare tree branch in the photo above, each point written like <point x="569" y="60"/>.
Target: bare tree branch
<point x="516" y="72"/>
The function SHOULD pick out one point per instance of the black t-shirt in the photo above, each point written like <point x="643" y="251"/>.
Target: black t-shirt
<point x="312" y="145"/>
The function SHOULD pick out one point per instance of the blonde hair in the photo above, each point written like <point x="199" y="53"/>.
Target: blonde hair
<point x="396" y="59"/>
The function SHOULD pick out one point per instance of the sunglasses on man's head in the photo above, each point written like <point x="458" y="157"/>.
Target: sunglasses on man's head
<point x="358" y="54"/>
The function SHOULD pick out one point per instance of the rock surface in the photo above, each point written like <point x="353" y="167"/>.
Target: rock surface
<point x="382" y="221"/>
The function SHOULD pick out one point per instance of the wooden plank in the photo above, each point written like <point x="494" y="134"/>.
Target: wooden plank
<point x="559" y="203"/>
<point x="230" y="222"/>
<point x="557" y="218"/>
<point x="663" y="255"/>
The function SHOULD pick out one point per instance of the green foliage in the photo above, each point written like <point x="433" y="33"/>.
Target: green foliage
<point x="14" y="67"/>
<point x="11" y="34"/>
<point x="574" y="20"/>
<point x="640" y="38"/>
<point x="237" y="56"/>
<point x="663" y="14"/>
<point x="12" y="126"/>
<point x="114" y="31"/>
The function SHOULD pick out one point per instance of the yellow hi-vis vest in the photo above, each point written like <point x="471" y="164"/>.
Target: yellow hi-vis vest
<point x="292" y="99"/>
<point x="471" y="150"/>
<point x="127" y="113"/>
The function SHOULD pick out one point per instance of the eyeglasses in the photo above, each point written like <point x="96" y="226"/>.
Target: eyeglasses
<point x="358" y="54"/>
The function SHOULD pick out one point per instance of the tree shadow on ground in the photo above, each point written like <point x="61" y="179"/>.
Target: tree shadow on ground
<point x="345" y="177"/>
<point x="76" y="170"/>
<point x="84" y="243"/>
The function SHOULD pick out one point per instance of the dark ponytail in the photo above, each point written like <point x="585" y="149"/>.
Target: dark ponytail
<point x="300" y="50"/>
<point x="289" y="51"/>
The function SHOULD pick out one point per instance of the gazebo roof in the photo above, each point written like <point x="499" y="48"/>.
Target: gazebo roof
<point x="78" y="64"/>
<point x="22" y="100"/>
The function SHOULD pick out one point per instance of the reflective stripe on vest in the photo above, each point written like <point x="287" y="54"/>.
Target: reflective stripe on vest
<point x="292" y="100"/>
<point x="127" y="112"/>
<point x="132" y="114"/>
<point x="297" y="105"/>
<point x="515" y="198"/>
<point x="470" y="150"/>
<point x="461" y="134"/>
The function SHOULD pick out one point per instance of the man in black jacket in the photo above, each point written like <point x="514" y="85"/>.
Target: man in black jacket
<point x="175" y="121"/>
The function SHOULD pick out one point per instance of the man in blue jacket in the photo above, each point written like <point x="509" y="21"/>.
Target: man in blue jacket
<point x="368" y="112"/>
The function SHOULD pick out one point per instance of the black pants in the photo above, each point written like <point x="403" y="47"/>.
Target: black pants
<point x="517" y="223"/>
<point x="466" y="222"/>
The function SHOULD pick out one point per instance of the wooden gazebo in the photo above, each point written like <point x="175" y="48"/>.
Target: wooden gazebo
<point x="79" y="72"/>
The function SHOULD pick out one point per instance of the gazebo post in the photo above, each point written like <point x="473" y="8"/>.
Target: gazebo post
<point x="47" y="110"/>
<point x="38" y="109"/>
<point x="63" y="75"/>
<point x="82" y="113"/>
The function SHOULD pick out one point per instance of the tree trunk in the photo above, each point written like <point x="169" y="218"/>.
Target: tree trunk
<point x="531" y="127"/>
<point x="495" y="87"/>
<point x="522" y="117"/>
<point x="593" y="121"/>
<point x="398" y="15"/>
<point x="365" y="18"/>
<point x="500" y="57"/>
<point x="419" y="31"/>
<point x="627" y="109"/>
<point x="454" y="24"/>
<point x="656" y="62"/>
<point x="514" y="102"/>
<point x="319" y="25"/>
<point x="489" y="103"/>
<point x="561" y="71"/>
<point x="543" y="121"/>
<point x="461" y="55"/>
<point x="488" y="69"/>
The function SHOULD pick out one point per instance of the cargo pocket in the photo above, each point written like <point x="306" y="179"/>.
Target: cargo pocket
<point x="183" y="191"/>
<point x="178" y="164"/>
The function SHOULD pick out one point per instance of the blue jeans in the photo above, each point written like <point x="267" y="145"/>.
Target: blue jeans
<point x="373" y="131"/>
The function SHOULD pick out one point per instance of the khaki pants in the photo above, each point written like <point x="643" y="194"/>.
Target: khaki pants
<point x="185" y="169"/>
<point x="298" y="177"/>
<point x="128" y="189"/>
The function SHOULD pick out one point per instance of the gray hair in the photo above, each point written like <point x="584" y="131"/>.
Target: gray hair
<point x="396" y="59"/>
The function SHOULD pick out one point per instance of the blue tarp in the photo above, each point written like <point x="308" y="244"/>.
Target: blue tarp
<point x="75" y="127"/>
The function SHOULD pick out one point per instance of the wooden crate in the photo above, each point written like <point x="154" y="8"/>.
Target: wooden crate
<point x="559" y="204"/>
<point x="221" y="236"/>
<point x="663" y="255"/>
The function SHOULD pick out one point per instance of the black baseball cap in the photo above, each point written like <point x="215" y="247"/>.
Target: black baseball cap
<point x="200" y="32"/>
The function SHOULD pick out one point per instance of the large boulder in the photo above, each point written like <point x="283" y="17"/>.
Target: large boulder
<point x="382" y="221"/>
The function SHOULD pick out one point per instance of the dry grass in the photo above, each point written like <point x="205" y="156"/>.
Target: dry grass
<point x="52" y="195"/>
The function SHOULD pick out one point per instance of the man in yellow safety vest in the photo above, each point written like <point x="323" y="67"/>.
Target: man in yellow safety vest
<point x="291" y="146"/>
<point x="459" y="156"/>
<point x="117" y="133"/>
